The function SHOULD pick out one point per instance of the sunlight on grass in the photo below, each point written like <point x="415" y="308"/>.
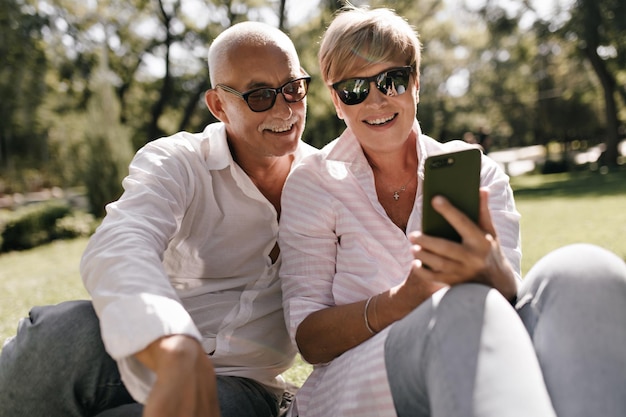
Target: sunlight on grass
<point x="549" y="223"/>
<point x="45" y="275"/>
<point x="298" y="373"/>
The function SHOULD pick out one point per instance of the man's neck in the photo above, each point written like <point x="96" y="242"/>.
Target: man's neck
<point x="268" y="174"/>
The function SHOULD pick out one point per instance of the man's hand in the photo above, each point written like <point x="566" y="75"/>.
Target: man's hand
<point x="185" y="384"/>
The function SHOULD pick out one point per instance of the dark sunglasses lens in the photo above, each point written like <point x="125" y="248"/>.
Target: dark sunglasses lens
<point x="295" y="90"/>
<point x="353" y="91"/>
<point x="261" y="100"/>
<point x="394" y="82"/>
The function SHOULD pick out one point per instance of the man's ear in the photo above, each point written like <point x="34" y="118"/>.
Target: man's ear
<point x="215" y="105"/>
<point x="336" y="103"/>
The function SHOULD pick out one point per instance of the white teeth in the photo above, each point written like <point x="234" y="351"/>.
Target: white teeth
<point x="380" y="121"/>
<point x="281" y="129"/>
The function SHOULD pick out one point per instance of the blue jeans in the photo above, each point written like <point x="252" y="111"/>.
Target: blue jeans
<point x="465" y="352"/>
<point x="56" y="366"/>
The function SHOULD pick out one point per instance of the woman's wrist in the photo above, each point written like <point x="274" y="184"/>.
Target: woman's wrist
<point x="366" y="318"/>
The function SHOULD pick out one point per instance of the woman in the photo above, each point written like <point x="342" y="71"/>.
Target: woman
<point x="387" y="335"/>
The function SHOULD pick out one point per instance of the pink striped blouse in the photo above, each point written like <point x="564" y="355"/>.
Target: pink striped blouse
<point x="338" y="246"/>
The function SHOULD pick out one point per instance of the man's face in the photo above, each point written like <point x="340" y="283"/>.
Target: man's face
<point x="271" y="133"/>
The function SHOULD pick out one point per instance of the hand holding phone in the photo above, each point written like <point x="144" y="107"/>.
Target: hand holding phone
<point x="455" y="176"/>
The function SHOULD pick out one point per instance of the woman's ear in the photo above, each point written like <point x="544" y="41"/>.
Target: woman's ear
<point x="215" y="105"/>
<point x="336" y="103"/>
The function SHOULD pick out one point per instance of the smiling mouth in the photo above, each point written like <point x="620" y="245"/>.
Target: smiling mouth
<point x="282" y="129"/>
<point x="381" y="121"/>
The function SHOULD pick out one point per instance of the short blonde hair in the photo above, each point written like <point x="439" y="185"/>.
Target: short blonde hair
<point x="359" y="36"/>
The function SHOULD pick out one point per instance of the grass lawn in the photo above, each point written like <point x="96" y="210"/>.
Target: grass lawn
<point x="556" y="210"/>
<point x="559" y="209"/>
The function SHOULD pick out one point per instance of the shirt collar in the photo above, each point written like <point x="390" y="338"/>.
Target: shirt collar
<point x="217" y="151"/>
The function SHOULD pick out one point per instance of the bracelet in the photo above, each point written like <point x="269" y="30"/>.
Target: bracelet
<point x="367" y="323"/>
<point x="375" y="307"/>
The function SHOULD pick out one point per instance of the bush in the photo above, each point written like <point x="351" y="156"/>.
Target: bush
<point x="33" y="226"/>
<point x="77" y="224"/>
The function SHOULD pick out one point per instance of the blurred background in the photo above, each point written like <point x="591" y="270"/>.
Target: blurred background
<point x="85" y="83"/>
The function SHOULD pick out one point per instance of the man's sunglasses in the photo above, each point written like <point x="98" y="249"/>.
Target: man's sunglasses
<point x="392" y="82"/>
<point x="263" y="99"/>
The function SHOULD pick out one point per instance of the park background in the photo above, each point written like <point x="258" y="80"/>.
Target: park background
<point x="84" y="84"/>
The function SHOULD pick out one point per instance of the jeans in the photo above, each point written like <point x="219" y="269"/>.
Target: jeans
<point x="56" y="366"/>
<point x="465" y="352"/>
<point x="573" y="303"/>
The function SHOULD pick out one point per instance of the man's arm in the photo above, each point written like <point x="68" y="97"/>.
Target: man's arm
<point x="185" y="384"/>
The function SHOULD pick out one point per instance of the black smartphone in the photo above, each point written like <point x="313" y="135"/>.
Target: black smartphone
<point x="456" y="176"/>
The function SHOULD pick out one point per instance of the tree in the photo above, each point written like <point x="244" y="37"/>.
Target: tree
<point x="21" y="82"/>
<point x="599" y="29"/>
<point x="108" y="148"/>
<point x="529" y="81"/>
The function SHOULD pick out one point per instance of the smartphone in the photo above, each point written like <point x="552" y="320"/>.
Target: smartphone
<point x="456" y="176"/>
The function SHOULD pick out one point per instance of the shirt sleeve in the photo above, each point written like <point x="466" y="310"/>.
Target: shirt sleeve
<point x="504" y="214"/>
<point x="308" y="245"/>
<point x="122" y="265"/>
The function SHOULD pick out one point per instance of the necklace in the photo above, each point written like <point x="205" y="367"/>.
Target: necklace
<point x="396" y="193"/>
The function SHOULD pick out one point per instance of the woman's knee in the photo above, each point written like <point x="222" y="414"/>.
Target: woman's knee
<point x="580" y="264"/>
<point x="580" y="274"/>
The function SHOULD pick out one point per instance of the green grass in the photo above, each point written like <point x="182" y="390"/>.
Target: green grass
<point x="556" y="210"/>
<point x="560" y="209"/>
<point x="44" y="275"/>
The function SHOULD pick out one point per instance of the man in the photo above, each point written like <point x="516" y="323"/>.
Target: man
<point x="183" y="269"/>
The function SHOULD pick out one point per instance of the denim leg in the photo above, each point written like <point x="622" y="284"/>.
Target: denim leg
<point x="243" y="397"/>
<point x="573" y="303"/>
<point x="127" y="410"/>
<point x="239" y="397"/>
<point x="464" y="352"/>
<point x="56" y="366"/>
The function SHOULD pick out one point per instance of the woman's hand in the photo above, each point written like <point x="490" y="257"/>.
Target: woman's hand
<point x="185" y="384"/>
<point x="478" y="258"/>
<point x="328" y="333"/>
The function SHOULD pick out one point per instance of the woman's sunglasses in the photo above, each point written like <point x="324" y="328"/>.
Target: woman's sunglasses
<point x="263" y="99"/>
<point x="392" y="82"/>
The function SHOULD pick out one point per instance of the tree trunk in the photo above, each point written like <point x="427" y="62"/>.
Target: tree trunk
<point x="281" y="15"/>
<point x="610" y="106"/>
<point x="154" y="131"/>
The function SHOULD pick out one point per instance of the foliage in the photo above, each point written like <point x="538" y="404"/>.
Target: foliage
<point x="21" y="83"/>
<point x="524" y="77"/>
<point x="576" y="67"/>
<point x="41" y="223"/>
<point x="76" y="224"/>
<point x="32" y="226"/>
<point x="107" y="144"/>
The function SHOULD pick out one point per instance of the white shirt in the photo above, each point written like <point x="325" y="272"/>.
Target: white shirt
<point x="186" y="250"/>
<point x="339" y="247"/>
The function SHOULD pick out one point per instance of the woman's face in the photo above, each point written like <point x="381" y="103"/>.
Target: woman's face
<point x="381" y="122"/>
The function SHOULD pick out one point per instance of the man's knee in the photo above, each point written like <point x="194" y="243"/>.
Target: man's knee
<point x="54" y="334"/>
